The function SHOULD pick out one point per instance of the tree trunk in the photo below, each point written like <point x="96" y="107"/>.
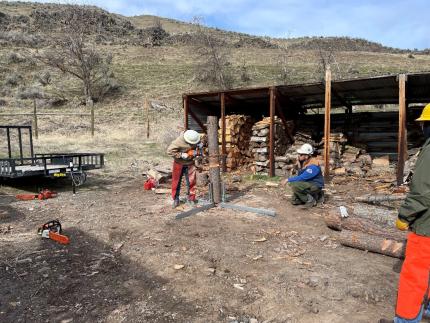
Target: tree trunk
<point x="354" y="223"/>
<point x="372" y="243"/>
<point x="214" y="167"/>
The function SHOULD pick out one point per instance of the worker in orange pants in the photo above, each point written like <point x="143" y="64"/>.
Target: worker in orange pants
<point x="184" y="149"/>
<point x="414" y="215"/>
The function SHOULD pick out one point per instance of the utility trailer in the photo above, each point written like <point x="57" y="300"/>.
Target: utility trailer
<point x="19" y="164"/>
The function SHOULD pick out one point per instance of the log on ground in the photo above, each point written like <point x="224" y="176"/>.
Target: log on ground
<point x="364" y="241"/>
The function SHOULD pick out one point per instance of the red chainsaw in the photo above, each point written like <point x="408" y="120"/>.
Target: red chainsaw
<point x="52" y="230"/>
<point x="43" y="195"/>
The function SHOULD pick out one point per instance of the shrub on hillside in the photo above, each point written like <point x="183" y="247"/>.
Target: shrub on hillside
<point x="24" y="93"/>
<point x="43" y="77"/>
<point x="3" y="103"/>
<point x="13" y="79"/>
<point x="14" y="58"/>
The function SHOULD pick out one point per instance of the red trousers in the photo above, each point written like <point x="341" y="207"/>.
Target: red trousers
<point x="190" y="178"/>
<point x="414" y="278"/>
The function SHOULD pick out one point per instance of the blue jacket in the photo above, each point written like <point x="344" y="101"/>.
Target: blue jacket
<point x="311" y="172"/>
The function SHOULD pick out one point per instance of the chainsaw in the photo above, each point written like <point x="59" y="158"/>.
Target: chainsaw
<point x="52" y="230"/>
<point x="43" y="195"/>
<point x="196" y="152"/>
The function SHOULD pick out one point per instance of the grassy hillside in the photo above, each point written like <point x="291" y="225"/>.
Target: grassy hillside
<point x="161" y="72"/>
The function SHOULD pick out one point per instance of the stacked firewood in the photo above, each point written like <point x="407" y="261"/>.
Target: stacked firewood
<point x="260" y="142"/>
<point x="369" y="227"/>
<point x="238" y="130"/>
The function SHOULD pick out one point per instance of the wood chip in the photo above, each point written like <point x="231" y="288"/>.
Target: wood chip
<point x="178" y="267"/>
<point x="257" y="257"/>
<point x="262" y="239"/>
<point x="238" y="286"/>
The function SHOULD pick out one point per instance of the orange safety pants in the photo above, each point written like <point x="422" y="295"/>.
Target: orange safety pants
<point x="414" y="281"/>
<point x="189" y="172"/>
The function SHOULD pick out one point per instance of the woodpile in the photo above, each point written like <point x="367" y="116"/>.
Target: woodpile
<point x="238" y="130"/>
<point x="260" y="141"/>
<point x="369" y="228"/>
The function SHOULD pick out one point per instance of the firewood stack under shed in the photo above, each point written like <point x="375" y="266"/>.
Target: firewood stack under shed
<point x="260" y="141"/>
<point x="238" y="130"/>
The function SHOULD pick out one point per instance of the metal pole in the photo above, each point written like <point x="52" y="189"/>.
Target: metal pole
<point x="327" y="124"/>
<point x="402" y="139"/>
<point x="272" y="132"/>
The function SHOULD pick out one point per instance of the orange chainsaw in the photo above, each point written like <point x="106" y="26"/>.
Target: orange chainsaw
<point x="43" y="195"/>
<point x="52" y="230"/>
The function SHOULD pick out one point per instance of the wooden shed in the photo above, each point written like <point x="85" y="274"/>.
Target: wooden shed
<point x="294" y="101"/>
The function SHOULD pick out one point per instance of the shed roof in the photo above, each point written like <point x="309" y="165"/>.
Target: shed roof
<point x="359" y="91"/>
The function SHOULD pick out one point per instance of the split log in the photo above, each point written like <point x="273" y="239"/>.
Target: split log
<point x="354" y="223"/>
<point x="372" y="243"/>
<point x="380" y="198"/>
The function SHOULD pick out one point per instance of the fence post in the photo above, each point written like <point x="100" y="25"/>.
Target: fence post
<point x="91" y="103"/>
<point x="36" y="130"/>
<point x="147" y="117"/>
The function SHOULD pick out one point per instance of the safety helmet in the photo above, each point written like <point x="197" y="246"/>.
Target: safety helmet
<point x="192" y="137"/>
<point x="305" y="149"/>
<point x="425" y="115"/>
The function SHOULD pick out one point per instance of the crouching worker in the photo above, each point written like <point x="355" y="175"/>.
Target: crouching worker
<point x="307" y="185"/>
<point x="183" y="150"/>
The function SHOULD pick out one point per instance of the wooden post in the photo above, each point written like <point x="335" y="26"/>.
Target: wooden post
<point x="402" y="140"/>
<point x="214" y="169"/>
<point x="147" y="117"/>
<point x="20" y="146"/>
<point x="272" y="132"/>
<point x="186" y="108"/>
<point x="327" y="124"/>
<point x="9" y="148"/>
<point x="36" y="130"/>
<point x="223" y="130"/>
<point x="90" y="101"/>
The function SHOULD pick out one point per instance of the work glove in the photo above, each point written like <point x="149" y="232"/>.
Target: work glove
<point x="184" y="156"/>
<point x="402" y="225"/>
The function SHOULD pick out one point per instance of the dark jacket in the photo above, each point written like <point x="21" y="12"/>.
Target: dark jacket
<point x="416" y="207"/>
<point x="311" y="173"/>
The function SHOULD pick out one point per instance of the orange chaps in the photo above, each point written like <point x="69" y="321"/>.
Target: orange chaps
<point x="414" y="278"/>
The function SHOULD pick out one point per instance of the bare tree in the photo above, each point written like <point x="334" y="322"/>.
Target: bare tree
<point x="72" y="54"/>
<point x="285" y="73"/>
<point x="215" y="67"/>
<point x="326" y="58"/>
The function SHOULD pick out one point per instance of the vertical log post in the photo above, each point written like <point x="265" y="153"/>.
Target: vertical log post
<point x="327" y="124"/>
<point x="92" y="117"/>
<point x="147" y="117"/>
<point x="402" y="140"/>
<point x="214" y="169"/>
<point x="36" y="130"/>
<point x="9" y="148"/>
<point x="223" y="131"/>
<point x="21" y="155"/>
<point x="272" y="132"/>
<point x="186" y="108"/>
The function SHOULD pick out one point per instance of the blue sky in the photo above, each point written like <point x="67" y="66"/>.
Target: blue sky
<point x="396" y="23"/>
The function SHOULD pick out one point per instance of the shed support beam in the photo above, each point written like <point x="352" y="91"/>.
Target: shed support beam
<point x="327" y="124"/>
<point x="186" y="108"/>
<point x="272" y="92"/>
<point x="223" y="131"/>
<point x="402" y="139"/>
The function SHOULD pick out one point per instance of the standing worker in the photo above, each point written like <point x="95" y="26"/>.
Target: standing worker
<point x="183" y="150"/>
<point x="414" y="215"/>
<point x="307" y="186"/>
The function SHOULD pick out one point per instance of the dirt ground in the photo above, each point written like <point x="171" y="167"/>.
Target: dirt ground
<point x="130" y="260"/>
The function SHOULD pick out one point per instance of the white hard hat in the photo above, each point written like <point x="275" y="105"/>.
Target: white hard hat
<point x="305" y="149"/>
<point x="192" y="137"/>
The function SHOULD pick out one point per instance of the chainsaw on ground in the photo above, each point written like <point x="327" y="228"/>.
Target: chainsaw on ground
<point x="52" y="230"/>
<point x="43" y="195"/>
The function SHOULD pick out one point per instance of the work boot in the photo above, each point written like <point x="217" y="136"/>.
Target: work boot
<point x="175" y="203"/>
<point x="296" y="201"/>
<point x="311" y="202"/>
<point x="320" y="197"/>
<point x="385" y="321"/>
